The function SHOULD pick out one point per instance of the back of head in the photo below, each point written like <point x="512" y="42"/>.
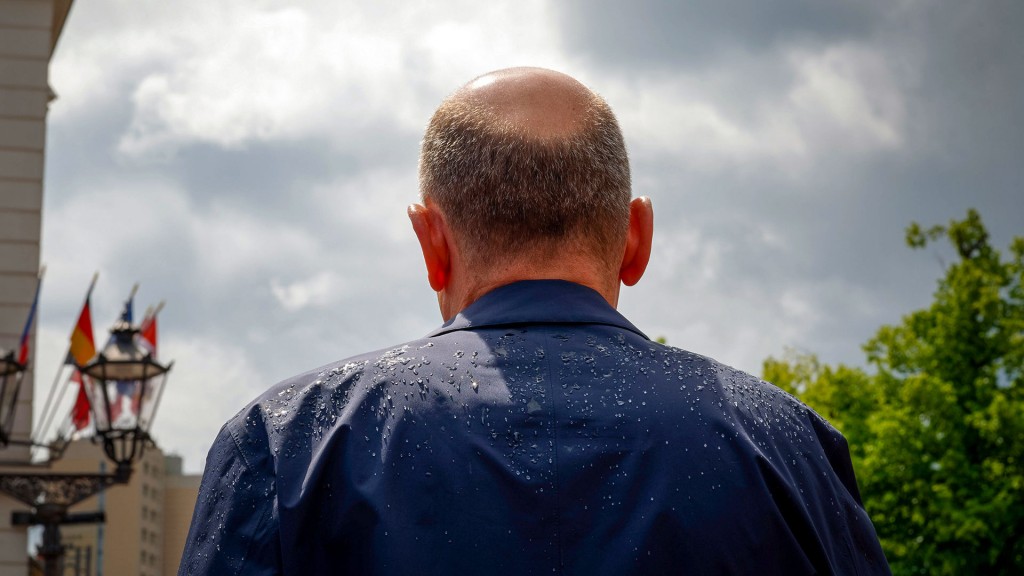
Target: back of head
<point x="526" y="162"/>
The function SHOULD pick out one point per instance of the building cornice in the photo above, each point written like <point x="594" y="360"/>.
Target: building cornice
<point x="61" y="8"/>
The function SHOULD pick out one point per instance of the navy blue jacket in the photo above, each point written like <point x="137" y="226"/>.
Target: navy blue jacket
<point x="538" y="432"/>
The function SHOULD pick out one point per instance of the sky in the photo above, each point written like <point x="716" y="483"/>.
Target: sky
<point x="250" y="162"/>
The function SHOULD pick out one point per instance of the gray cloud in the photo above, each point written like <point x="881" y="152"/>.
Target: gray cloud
<point x="955" y="97"/>
<point x="660" y="34"/>
<point x="786" y="146"/>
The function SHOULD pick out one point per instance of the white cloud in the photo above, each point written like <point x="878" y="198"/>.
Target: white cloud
<point x="223" y="244"/>
<point x="211" y="380"/>
<point x="371" y="205"/>
<point x="841" y="100"/>
<point x="846" y="96"/>
<point x="684" y="254"/>
<point x="320" y="290"/>
<point x="234" y="73"/>
<point x="677" y="118"/>
<point x="257" y="81"/>
<point x="695" y="295"/>
<point x="229" y="244"/>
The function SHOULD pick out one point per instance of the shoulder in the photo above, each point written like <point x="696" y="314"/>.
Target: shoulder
<point x="316" y="398"/>
<point x="756" y="405"/>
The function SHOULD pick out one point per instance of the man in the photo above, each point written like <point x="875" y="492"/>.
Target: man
<point x="537" y="431"/>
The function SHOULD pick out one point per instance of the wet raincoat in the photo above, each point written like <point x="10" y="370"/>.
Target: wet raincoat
<point x="538" y="432"/>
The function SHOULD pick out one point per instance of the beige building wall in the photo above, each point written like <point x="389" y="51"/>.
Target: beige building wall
<point x="132" y="540"/>
<point x="24" y="94"/>
<point x="180" y="495"/>
<point x="147" y="519"/>
<point x="29" y="30"/>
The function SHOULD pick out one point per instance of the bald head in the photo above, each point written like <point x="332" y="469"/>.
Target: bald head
<point x="540" y="103"/>
<point x="525" y="160"/>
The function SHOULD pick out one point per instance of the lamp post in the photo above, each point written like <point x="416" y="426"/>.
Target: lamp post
<point x="11" y="374"/>
<point x="124" y="384"/>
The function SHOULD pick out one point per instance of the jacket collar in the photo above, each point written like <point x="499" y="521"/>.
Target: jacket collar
<point x="537" y="302"/>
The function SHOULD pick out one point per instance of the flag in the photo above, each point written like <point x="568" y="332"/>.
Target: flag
<point x="126" y="314"/>
<point x="147" y="334"/>
<point x="83" y="346"/>
<point x="147" y="341"/>
<point x="80" y="412"/>
<point x="23" y="349"/>
<point x="126" y="311"/>
<point x="122" y="388"/>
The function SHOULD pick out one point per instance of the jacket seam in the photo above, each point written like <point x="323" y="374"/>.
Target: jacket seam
<point x="267" y="510"/>
<point x="557" y="486"/>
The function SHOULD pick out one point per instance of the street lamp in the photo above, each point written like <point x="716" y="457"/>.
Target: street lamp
<point x="11" y="374"/>
<point x="124" y="383"/>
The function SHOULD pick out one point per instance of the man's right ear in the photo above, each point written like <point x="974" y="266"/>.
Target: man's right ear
<point x="637" y="254"/>
<point x="432" y="233"/>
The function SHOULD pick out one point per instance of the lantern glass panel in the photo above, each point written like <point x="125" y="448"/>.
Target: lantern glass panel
<point x="150" y="400"/>
<point x="94" y="390"/>
<point x="124" y="397"/>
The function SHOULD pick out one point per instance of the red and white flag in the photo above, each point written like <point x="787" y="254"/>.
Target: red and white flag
<point x="147" y="334"/>
<point x="80" y="412"/>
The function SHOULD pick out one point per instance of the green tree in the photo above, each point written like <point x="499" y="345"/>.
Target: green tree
<point x="936" y="427"/>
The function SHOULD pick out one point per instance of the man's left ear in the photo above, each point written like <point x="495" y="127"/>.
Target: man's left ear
<point x="638" y="241"/>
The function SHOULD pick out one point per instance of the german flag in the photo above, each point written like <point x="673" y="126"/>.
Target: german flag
<point x="83" y="346"/>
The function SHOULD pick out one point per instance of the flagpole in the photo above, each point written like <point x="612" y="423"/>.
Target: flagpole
<point x="150" y="316"/>
<point x="163" y="384"/>
<point x="49" y="398"/>
<point x="151" y="312"/>
<point x="42" y="431"/>
<point x="24" y="345"/>
<point x="47" y="415"/>
<point x="127" y="303"/>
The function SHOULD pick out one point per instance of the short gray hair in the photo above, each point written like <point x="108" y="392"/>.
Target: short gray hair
<point x="505" y="192"/>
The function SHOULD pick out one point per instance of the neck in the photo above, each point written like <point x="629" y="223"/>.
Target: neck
<point x="466" y="286"/>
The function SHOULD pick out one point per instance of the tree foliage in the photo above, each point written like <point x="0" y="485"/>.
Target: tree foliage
<point x="936" y="423"/>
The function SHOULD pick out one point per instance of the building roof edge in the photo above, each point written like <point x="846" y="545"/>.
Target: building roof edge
<point x="61" y="8"/>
